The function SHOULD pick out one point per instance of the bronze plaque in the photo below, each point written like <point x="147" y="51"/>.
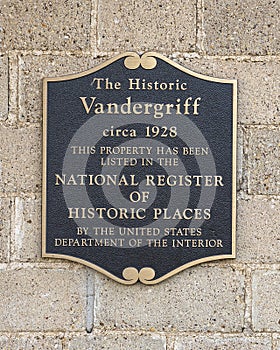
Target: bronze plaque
<point x="139" y="168"/>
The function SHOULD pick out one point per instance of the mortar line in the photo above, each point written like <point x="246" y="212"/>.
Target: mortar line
<point x="36" y="124"/>
<point x="99" y="54"/>
<point x="90" y="27"/>
<point x="260" y="126"/>
<point x="196" y="25"/>
<point x="11" y="200"/>
<point x="274" y="338"/>
<point x="94" y="302"/>
<point x="65" y="333"/>
<point x="12" y="231"/>
<point x="22" y="194"/>
<point x="273" y="342"/>
<point x="248" y="322"/>
<point x="245" y="156"/>
<point x="13" y="86"/>
<point x="89" y="302"/>
<point x="96" y="26"/>
<point x="52" y="264"/>
<point x="203" y="34"/>
<point x="200" y="27"/>
<point x="170" y="342"/>
<point x="37" y="195"/>
<point x="93" y="27"/>
<point x="9" y="93"/>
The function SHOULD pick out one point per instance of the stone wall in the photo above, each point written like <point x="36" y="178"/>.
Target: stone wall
<point x="56" y="304"/>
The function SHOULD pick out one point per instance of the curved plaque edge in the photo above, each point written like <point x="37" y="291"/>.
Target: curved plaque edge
<point x="145" y="275"/>
<point x="145" y="55"/>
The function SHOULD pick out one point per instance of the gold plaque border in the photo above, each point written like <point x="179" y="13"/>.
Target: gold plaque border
<point x="133" y="61"/>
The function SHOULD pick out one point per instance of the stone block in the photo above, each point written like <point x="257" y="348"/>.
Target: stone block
<point x="258" y="239"/>
<point x="146" y="25"/>
<point x="20" y="159"/>
<point x="117" y="340"/>
<point x="42" y="300"/>
<point x="257" y="85"/>
<point x="264" y="161"/>
<point x="30" y="24"/>
<point x="198" y="299"/>
<point x="36" y="341"/>
<point x="5" y="226"/>
<point x="4" y="93"/>
<point x="26" y="229"/>
<point x="266" y="301"/>
<point x="34" y="68"/>
<point x="257" y="90"/>
<point x="26" y="242"/>
<point x="241" y="27"/>
<point x="227" y="342"/>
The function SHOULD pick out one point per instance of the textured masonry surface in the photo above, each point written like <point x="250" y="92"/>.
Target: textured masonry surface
<point x="56" y="304"/>
<point x="220" y="306"/>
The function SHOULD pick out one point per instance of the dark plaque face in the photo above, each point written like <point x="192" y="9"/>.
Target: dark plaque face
<point x="139" y="168"/>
